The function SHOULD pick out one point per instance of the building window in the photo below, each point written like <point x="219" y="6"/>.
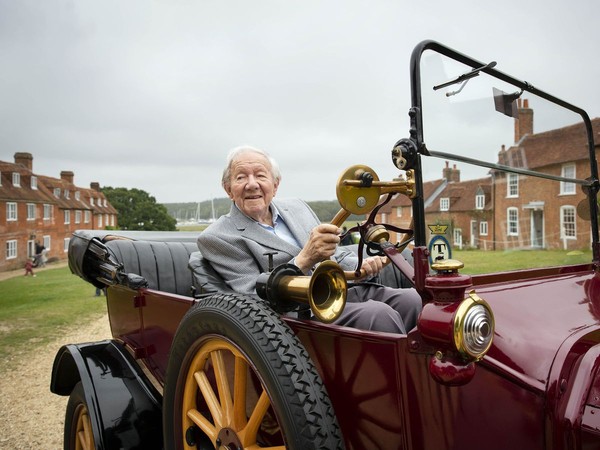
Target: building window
<point x="78" y="216"/>
<point x="92" y="201"/>
<point x="57" y="192"/>
<point x="483" y="228"/>
<point x="67" y="194"/>
<point x="11" y="249"/>
<point x="31" y="211"/>
<point x="100" y="220"/>
<point x="34" y="182"/>
<point x="16" y="179"/>
<point x="399" y="211"/>
<point x="86" y="216"/>
<point x="11" y="211"/>
<point x="105" y="202"/>
<point x="47" y="242"/>
<point x="512" y="221"/>
<point x="567" y="222"/>
<point x="457" y="234"/>
<point x="77" y="195"/>
<point x="66" y="244"/>
<point x="479" y="201"/>
<point x="444" y="204"/>
<point x="47" y="211"/>
<point x="512" y="185"/>
<point x="67" y="216"/>
<point x="112" y="220"/>
<point x="567" y="171"/>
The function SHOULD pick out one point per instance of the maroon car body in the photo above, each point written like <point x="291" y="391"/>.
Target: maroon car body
<point x="536" y="387"/>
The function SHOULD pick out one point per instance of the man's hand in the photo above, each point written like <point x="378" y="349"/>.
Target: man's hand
<point x="372" y="266"/>
<point x="321" y="245"/>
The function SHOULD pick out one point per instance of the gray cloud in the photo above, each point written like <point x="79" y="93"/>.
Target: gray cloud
<point x="152" y="94"/>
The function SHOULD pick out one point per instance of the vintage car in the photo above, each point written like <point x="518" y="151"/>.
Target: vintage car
<point x="499" y="359"/>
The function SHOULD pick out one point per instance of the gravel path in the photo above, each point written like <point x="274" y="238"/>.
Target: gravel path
<point x="31" y="417"/>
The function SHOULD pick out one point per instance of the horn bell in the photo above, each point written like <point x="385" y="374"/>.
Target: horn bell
<point x="325" y="290"/>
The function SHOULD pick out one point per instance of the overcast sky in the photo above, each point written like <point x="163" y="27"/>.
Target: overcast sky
<point x="153" y="94"/>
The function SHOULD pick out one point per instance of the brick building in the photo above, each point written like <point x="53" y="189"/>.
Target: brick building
<point x="40" y="208"/>
<point x="505" y="211"/>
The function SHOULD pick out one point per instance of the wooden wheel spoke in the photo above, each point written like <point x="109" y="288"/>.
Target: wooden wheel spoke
<point x="250" y="432"/>
<point x="204" y="424"/>
<point x="220" y="372"/>
<point x="214" y="406"/>
<point x="239" y="393"/>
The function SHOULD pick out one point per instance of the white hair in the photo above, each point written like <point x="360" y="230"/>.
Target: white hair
<point x="234" y="153"/>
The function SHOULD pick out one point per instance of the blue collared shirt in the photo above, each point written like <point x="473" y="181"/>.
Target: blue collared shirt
<point x="280" y="228"/>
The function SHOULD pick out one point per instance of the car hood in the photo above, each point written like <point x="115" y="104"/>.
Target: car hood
<point x="535" y="317"/>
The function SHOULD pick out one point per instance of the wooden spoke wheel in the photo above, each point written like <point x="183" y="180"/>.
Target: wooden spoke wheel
<point x="238" y="378"/>
<point x="78" y="427"/>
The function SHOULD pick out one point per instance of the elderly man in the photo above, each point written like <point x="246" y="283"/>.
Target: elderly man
<point x="236" y="243"/>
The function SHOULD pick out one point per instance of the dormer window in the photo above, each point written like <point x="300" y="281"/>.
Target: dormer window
<point x="77" y="195"/>
<point x="479" y="200"/>
<point x="105" y="202"/>
<point x="34" y="182"/>
<point x="67" y="194"/>
<point x="16" y="179"/>
<point x="444" y="204"/>
<point x="92" y="201"/>
<point x="57" y="192"/>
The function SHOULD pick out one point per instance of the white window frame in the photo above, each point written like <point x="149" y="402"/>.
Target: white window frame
<point x="572" y="214"/>
<point x="77" y="216"/>
<point x="77" y="195"/>
<point x="512" y="185"/>
<point x="57" y="192"/>
<point x="512" y="221"/>
<point x="67" y="216"/>
<point x="112" y="220"/>
<point x="31" y="211"/>
<point x="457" y="237"/>
<point x="479" y="201"/>
<point x="87" y="214"/>
<point x="11" y="212"/>
<point x="444" y="204"/>
<point x="66" y="244"/>
<point x="34" y="182"/>
<point x="47" y="241"/>
<point x="92" y="201"/>
<point x="48" y="210"/>
<point x="567" y="188"/>
<point x="483" y="228"/>
<point x="16" y="179"/>
<point x="100" y="220"/>
<point x="11" y="249"/>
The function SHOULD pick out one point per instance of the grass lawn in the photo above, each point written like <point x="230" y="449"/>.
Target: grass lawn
<point x="476" y="261"/>
<point x="36" y="310"/>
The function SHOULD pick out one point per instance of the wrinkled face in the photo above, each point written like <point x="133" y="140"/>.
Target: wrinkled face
<point x="252" y="186"/>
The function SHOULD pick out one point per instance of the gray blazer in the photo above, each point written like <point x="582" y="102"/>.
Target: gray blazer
<point x="236" y="245"/>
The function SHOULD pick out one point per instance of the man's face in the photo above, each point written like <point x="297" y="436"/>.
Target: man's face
<point x="252" y="185"/>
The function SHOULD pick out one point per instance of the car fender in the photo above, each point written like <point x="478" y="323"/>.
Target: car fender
<point x="125" y="409"/>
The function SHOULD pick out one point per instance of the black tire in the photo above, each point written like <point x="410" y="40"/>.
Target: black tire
<point x="227" y="332"/>
<point x="78" y="427"/>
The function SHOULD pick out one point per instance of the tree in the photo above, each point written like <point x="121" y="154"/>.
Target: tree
<point x="138" y="210"/>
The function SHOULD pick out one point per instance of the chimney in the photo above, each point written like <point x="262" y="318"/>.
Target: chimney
<point x="24" y="159"/>
<point x="447" y="172"/>
<point x="524" y="123"/>
<point x="67" y="175"/>
<point x="95" y="186"/>
<point x="455" y="174"/>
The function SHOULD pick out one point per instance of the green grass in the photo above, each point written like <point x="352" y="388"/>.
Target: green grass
<point x="37" y="310"/>
<point x="477" y="262"/>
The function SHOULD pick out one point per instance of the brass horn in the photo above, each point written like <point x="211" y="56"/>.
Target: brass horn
<point x="324" y="291"/>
